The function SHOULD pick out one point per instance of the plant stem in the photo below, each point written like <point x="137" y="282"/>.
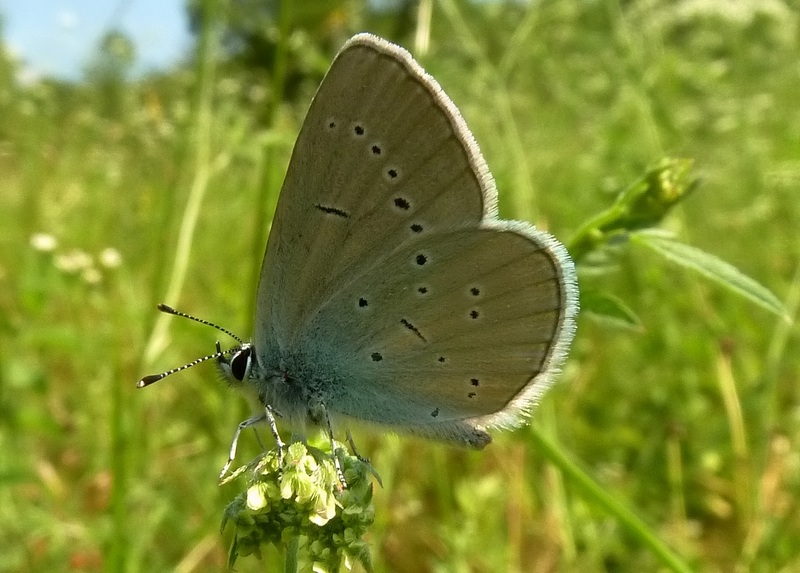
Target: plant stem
<point x="593" y="491"/>
<point x="201" y="169"/>
<point x="292" y="549"/>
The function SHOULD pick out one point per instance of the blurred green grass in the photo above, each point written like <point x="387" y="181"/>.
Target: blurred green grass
<point x="694" y="421"/>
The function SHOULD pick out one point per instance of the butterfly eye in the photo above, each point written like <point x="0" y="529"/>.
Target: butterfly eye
<point x="240" y="363"/>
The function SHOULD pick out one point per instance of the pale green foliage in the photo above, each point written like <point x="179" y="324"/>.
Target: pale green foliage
<point x="571" y="102"/>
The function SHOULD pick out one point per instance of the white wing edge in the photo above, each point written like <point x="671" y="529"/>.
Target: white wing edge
<point x="518" y="410"/>
<point x="476" y="160"/>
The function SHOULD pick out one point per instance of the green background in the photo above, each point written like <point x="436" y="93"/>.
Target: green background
<point x="691" y="417"/>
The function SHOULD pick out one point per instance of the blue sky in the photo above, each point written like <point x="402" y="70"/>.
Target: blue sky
<point x="57" y="37"/>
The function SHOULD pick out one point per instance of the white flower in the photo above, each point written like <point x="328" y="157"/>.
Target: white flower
<point x="110" y="258"/>
<point x="43" y="242"/>
<point x="73" y="261"/>
<point x="257" y="497"/>
<point x="91" y="275"/>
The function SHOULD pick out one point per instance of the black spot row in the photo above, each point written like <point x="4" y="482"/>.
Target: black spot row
<point x="359" y="131"/>
<point x="377" y="357"/>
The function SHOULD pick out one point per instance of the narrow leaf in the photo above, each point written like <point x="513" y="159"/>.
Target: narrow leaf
<point x="609" y="309"/>
<point x="711" y="267"/>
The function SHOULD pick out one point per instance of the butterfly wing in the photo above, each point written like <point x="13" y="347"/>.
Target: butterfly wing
<point x="460" y="329"/>
<point x="377" y="161"/>
<point x="389" y="290"/>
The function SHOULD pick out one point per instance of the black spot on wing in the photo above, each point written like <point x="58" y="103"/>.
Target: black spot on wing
<point x="333" y="211"/>
<point x="413" y="329"/>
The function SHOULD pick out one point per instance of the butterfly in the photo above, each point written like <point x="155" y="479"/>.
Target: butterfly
<point x="390" y="292"/>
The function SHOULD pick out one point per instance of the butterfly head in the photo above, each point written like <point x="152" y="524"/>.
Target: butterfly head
<point x="236" y="364"/>
<point x="237" y="368"/>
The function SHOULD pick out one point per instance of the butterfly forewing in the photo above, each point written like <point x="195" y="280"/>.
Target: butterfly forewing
<point x="379" y="161"/>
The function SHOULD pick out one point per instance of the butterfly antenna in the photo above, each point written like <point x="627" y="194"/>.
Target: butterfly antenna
<point x="147" y="380"/>
<point x="169" y="310"/>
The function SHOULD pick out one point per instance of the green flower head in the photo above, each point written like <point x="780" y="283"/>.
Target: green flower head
<point x="303" y="504"/>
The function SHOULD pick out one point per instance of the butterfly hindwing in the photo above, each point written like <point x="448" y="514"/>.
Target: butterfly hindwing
<point x="455" y="326"/>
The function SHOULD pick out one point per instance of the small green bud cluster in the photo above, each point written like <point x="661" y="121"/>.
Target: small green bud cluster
<point x="303" y="503"/>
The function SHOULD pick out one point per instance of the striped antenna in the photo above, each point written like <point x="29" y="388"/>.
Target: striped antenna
<point x="147" y="380"/>
<point x="151" y="379"/>
<point x="169" y="310"/>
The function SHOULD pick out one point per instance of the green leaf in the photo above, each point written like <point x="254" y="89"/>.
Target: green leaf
<point x="233" y="552"/>
<point x="711" y="267"/>
<point x="609" y="309"/>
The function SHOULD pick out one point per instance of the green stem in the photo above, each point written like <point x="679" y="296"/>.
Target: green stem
<point x="593" y="491"/>
<point x="292" y="550"/>
<point x="120" y="543"/>
<point x="594" y="232"/>
<point x="201" y="169"/>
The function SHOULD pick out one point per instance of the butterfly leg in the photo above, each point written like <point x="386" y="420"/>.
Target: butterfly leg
<point x="251" y="421"/>
<point x="269" y="415"/>
<point x="333" y="446"/>
<point x="353" y="448"/>
<point x="259" y="440"/>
